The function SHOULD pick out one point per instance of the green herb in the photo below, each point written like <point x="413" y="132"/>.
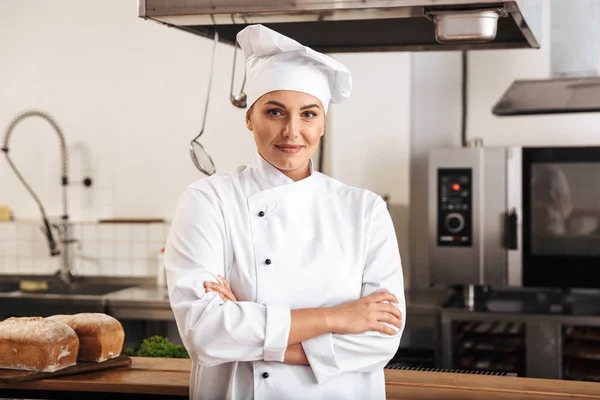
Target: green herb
<point x="158" y="346"/>
<point x="129" y="352"/>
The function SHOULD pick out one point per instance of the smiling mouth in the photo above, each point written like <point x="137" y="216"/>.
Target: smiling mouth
<point x="289" y="148"/>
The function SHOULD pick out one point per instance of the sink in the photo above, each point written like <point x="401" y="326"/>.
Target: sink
<point x="7" y="287"/>
<point x="82" y="296"/>
<point x="81" y="288"/>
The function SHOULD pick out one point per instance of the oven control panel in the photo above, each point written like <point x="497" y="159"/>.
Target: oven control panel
<point x="455" y="207"/>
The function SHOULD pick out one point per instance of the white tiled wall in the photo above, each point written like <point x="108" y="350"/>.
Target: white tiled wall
<point x="103" y="249"/>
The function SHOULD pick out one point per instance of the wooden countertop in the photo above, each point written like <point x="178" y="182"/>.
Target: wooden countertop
<point x="171" y="377"/>
<point x="166" y="376"/>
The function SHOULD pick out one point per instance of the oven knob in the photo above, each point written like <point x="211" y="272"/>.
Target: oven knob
<point x="454" y="222"/>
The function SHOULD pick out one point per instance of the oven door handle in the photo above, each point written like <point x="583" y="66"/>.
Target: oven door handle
<point x="512" y="220"/>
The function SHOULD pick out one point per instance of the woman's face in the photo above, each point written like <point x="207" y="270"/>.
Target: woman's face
<point x="287" y="127"/>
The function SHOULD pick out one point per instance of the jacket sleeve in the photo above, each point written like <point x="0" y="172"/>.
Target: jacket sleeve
<point x="330" y="355"/>
<point x="215" y="332"/>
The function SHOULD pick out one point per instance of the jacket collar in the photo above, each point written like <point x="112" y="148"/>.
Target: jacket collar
<point x="273" y="176"/>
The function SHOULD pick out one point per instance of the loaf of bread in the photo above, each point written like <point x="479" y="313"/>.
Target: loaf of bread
<point x="37" y="344"/>
<point x="101" y="336"/>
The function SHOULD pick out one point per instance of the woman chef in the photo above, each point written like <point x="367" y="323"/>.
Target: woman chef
<point x="285" y="283"/>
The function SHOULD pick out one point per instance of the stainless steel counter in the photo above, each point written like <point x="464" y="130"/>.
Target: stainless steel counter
<point x="144" y="301"/>
<point x="87" y="294"/>
<point x="426" y="302"/>
<point x="126" y="298"/>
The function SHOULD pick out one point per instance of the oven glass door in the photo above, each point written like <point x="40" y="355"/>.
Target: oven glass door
<point x="561" y="217"/>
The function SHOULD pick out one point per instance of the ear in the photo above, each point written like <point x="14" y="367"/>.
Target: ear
<point x="249" y="120"/>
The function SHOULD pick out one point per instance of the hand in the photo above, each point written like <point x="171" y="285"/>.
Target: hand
<point x="366" y="314"/>
<point x="224" y="290"/>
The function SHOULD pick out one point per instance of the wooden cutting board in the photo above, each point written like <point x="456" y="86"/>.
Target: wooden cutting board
<point x="14" y="376"/>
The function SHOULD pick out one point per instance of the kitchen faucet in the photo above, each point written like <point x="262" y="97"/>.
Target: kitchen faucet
<point x="66" y="272"/>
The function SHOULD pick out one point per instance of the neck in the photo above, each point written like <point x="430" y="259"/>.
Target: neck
<point x="299" y="173"/>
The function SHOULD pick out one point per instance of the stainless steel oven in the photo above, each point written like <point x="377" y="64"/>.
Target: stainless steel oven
<point x="515" y="216"/>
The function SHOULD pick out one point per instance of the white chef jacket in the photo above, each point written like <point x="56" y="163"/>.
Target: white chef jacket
<point x="282" y="245"/>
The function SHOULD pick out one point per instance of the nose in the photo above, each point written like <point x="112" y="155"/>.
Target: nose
<point x="292" y="128"/>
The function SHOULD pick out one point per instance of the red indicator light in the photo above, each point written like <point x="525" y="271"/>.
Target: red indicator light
<point x="455" y="187"/>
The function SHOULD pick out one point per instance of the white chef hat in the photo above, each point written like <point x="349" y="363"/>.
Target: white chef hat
<point x="276" y="62"/>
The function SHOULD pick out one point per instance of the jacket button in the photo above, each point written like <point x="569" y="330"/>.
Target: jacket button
<point x="265" y="375"/>
<point x="268" y="261"/>
<point x="261" y="214"/>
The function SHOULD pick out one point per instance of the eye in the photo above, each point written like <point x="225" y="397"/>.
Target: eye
<point x="274" y="112"/>
<point x="310" y="114"/>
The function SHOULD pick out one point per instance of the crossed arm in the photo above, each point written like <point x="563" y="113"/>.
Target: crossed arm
<point x="368" y="313"/>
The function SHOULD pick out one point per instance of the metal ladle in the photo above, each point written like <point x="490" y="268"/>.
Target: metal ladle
<point x="199" y="156"/>
<point x="239" y="100"/>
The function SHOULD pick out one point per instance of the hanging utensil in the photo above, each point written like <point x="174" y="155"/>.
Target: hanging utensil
<point x="239" y="100"/>
<point x="199" y="155"/>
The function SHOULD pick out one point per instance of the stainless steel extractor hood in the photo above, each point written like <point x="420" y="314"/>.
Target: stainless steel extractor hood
<point x="550" y="96"/>
<point x="574" y="84"/>
<point x="363" y="25"/>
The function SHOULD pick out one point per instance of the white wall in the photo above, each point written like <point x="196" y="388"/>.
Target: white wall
<point x="368" y="143"/>
<point x="436" y="122"/>
<point x="102" y="249"/>
<point x="371" y="130"/>
<point x="129" y="95"/>
<point x="491" y="73"/>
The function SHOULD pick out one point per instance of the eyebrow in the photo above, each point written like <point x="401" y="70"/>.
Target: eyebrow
<point x="306" y="107"/>
<point x="278" y="104"/>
